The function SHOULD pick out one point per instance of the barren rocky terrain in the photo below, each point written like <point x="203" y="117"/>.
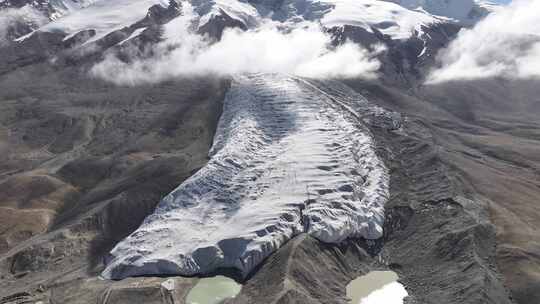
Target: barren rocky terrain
<point x="487" y="134"/>
<point x="83" y="162"/>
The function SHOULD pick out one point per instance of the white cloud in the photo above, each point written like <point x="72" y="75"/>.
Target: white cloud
<point x="392" y="293"/>
<point x="303" y="51"/>
<point x="11" y="16"/>
<point x="506" y="44"/>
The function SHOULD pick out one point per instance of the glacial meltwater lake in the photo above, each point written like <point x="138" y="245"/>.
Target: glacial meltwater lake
<point x="213" y="290"/>
<point x="376" y="287"/>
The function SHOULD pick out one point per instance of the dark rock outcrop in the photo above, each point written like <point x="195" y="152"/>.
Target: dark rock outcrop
<point x="218" y="23"/>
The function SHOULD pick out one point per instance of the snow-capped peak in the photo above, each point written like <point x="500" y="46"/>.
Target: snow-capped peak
<point x="464" y="11"/>
<point x="398" y="19"/>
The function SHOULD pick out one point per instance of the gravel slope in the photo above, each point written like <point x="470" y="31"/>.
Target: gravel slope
<point x="487" y="132"/>
<point x="83" y="162"/>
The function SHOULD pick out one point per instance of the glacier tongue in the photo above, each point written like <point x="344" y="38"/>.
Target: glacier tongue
<point x="287" y="158"/>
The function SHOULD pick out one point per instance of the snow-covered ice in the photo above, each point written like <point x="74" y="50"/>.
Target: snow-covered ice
<point x="457" y="9"/>
<point x="287" y="158"/>
<point x="135" y="34"/>
<point x="466" y="12"/>
<point x="387" y="17"/>
<point x="103" y="16"/>
<point x="239" y="10"/>
<point x="64" y="7"/>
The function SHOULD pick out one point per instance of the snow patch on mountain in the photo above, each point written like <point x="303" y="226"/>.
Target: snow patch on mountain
<point x="238" y="10"/>
<point x="17" y="21"/>
<point x="52" y="9"/>
<point x="103" y="16"/>
<point x="389" y="18"/>
<point x="287" y="158"/>
<point x="456" y="9"/>
<point x="64" y="7"/>
<point x="490" y="6"/>
<point x="135" y="34"/>
<point x="463" y="11"/>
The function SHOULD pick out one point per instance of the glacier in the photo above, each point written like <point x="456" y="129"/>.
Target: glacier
<point x="289" y="156"/>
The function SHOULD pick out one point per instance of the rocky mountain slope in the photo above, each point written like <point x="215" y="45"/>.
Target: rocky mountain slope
<point x="85" y="160"/>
